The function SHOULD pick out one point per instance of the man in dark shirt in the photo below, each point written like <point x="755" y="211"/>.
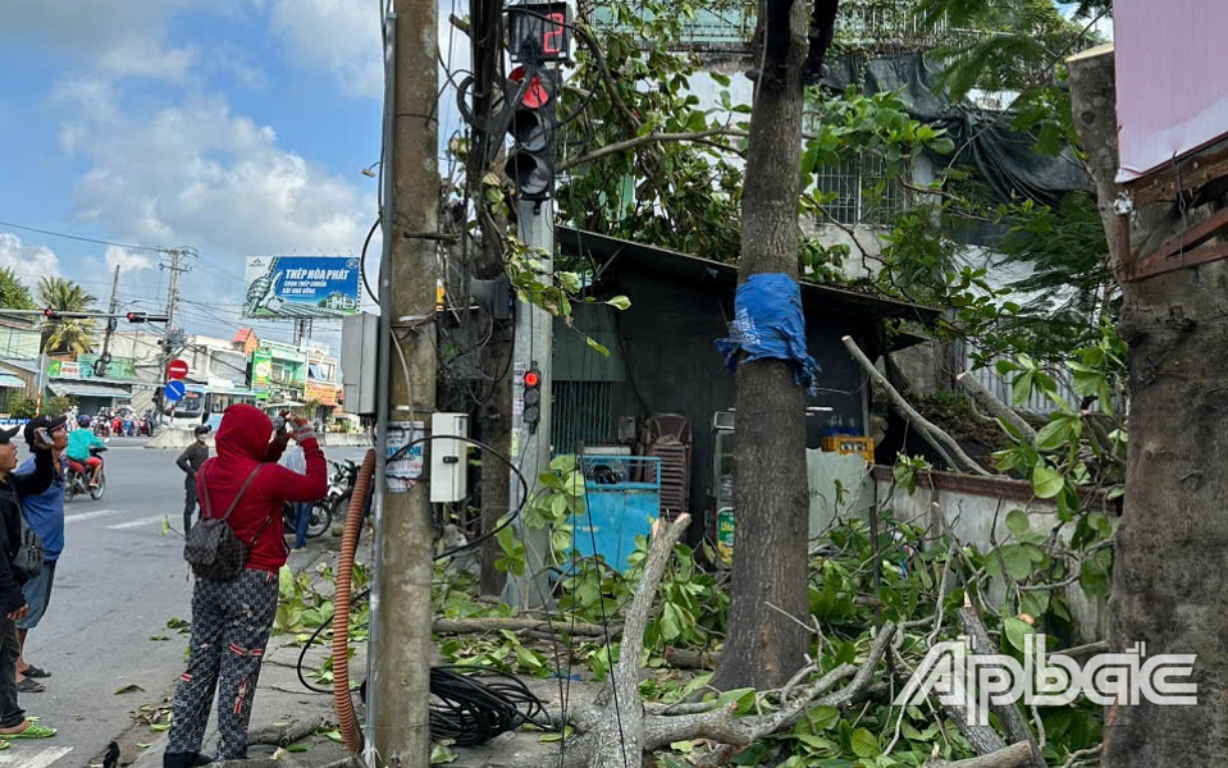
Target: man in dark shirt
<point x="13" y="489"/>
<point x="190" y="461"/>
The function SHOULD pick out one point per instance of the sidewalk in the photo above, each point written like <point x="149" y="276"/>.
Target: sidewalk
<point x="281" y="701"/>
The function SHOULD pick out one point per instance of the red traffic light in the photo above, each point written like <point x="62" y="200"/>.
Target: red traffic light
<point x="535" y="95"/>
<point x="531" y="379"/>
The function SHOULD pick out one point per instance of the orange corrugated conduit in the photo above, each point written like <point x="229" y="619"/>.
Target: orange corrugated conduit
<point x="346" y="718"/>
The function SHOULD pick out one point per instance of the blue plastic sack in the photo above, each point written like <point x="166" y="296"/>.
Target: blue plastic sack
<point x="768" y="323"/>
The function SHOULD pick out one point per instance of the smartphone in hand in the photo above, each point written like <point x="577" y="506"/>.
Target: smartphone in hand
<point x="42" y="438"/>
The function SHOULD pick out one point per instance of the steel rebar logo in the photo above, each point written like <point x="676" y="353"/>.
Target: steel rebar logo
<point x="958" y="677"/>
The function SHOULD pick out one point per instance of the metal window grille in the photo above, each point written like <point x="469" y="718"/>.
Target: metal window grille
<point x="865" y="194"/>
<point x="582" y="414"/>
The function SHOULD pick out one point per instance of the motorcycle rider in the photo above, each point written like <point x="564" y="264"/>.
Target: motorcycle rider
<point x="79" y="444"/>
<point x="190" y="461"/>
<point x="44" y="514"/>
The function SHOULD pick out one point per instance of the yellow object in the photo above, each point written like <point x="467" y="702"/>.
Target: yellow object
<point x="844" y="444"/>
<point x="439" y="295"/>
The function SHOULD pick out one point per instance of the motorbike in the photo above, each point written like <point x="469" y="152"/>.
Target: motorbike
<point x="341" y="488"/>
<point x="145" y="426"/>
<point x="77" y="479"/>
<point x="320" y="521"/>
<point x="102" y="426"/>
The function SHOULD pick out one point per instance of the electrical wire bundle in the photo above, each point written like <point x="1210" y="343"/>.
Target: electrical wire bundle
<point x="467" y="711"/>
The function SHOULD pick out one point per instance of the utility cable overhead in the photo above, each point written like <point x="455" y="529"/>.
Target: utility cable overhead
<point x="66" y="236"/>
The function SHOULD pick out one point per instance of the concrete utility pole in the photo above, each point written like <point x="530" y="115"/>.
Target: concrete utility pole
<point x="400" y="646"/>
<point x="104" y="360"/>
<point x="534" y="340"/>
<point x="172" y="295"/>
<point x="533" y="346"/>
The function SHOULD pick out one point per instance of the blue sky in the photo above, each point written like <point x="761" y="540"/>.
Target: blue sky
<point x="237" y="127"/>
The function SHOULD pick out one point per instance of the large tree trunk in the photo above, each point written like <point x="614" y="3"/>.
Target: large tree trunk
<point x="765" y="647"/>
<point x="1169" y="575"/>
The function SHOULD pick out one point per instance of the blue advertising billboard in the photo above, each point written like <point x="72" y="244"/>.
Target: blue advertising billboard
<point x="293" y="287"/>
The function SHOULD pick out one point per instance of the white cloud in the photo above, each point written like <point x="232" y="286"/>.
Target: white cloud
<point x="196" y="173"/>
<point x="29" y="262"/>
<point x="139" y="57"/>
<point x="339" y="36"/>
<point x="127" y="260"/>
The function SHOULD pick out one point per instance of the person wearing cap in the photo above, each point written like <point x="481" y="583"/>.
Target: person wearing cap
<point x="14" y="488"/>
<point x="190" y="461"/>
<point x="44" y="514"/>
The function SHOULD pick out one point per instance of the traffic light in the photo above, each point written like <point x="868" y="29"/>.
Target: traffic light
<point x="145" y="317"/>
<point x="55" y="314"/>
<point x="531" y="163"/>
<point x="532" y="398"/>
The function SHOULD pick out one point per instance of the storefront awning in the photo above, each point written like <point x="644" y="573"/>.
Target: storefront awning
<point x="64" y="389"/>
<point x="9" y="380"/>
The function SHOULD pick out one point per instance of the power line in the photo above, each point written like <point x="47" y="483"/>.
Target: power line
<point x="83" y="239"/>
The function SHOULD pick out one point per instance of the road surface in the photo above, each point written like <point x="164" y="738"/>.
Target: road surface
<point x="118" y="583"/>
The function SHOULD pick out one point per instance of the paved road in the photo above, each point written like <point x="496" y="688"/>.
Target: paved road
<point x="117" y="584"/>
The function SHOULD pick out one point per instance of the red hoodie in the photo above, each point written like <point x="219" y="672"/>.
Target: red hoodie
<point x="244" y="441"/>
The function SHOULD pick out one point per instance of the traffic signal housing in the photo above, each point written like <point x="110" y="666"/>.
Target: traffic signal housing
<point x="532" y="398"/>
<point x="530" y="165"/>
<point x="145" y="317"/>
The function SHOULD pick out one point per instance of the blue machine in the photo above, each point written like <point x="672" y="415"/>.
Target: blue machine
<point x="623" y="496"/>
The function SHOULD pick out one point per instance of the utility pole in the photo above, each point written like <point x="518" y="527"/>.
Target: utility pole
<point x="104" y="360"/>
<point x="172" y="296"/>
<point x="533" y="335"/>
<point x="398" y="731"/>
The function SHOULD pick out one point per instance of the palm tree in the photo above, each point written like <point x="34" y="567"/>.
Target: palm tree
<point x="66" y="335"/>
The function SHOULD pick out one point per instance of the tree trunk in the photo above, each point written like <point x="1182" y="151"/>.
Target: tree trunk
<point x="494" y="417"/>
<point x="1168" y="576"/>
<point x="764" y="647"/>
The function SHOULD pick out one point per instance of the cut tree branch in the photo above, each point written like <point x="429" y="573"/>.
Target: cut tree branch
<point x="940" y="440"/>
<point x="649" y="138"/>
<point x="1014" y="756"/>
<point x="996" y="406"/>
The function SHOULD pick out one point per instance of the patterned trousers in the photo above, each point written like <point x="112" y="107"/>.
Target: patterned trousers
<point x="231" y="622"/>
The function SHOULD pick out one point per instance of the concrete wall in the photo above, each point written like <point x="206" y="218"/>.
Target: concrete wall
<point x="963" y="504"/>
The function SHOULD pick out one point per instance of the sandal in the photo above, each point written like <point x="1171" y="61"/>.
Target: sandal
<point x="36" y="672"/>
<point x="34" y="731"/>
<point x="30" y="686"/>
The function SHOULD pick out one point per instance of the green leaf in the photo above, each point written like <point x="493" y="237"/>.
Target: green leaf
<point x="865" y="744"/>
<point x="1014" y="630"/>
<point x="1017" y="522"/>
<point x="943" y="145"/>
<point x="301" y="746"/>
<point x="1018" y="562"/>
<point x="619" y="302"/>
<point x="721" y="79"/>
<point x="441" y="754"/>
<point x="589" y="340"/>
<point x="743" y="698"/>
<point x="1055" y="434"/>
<point x="1021" y="388"/>
<point x="1046" y="482"/>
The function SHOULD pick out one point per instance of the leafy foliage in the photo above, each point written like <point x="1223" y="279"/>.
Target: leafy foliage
<point x="13" y="293"/>
<point x="66" y="335"/>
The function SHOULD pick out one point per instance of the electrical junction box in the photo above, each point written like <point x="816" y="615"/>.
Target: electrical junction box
<point x="449" y="458"/>
<point x="359" y="353"/>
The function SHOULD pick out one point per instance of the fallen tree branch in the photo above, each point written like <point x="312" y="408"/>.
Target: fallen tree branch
<point x="1014" y="756"/>
<point x="649" y="138"/>
<point x="996" y="406"/>
<point x="940" y="440"/>
<point x="284" y="734"/>
<point x="683" y="658"/>
<point x="493" y="624"/>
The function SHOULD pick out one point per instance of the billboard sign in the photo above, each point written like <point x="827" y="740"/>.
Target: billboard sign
<point x="262" y="369"/>
<point x="300" y="287"/>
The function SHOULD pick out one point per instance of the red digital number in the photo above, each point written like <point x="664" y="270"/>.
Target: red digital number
<point x="550" y="38"/>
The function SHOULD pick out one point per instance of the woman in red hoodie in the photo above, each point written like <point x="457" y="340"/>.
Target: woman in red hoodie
<point x="231" y="620"/>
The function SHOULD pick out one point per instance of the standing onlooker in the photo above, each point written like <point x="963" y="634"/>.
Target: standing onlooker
<point x="13" y="722"/>
<point x="44" y="513"/>
<point x="190" y="461"/>
<point x="294" y="461"/>
<point x="231" y="620"/>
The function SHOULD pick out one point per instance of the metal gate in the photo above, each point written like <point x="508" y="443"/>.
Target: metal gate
<point x="581" y="415"/>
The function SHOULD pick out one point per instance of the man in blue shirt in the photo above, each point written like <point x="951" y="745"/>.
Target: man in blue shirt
<point x="44" y="513"/>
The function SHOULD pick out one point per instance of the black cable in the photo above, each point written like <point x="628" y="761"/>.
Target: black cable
<point x="362" y="260"/>
<point x="468" y="712"/>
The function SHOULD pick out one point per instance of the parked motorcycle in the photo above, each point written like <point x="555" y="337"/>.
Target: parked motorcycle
<point x="77" y="478"/>
<point x="341" y="488"/>
<point x="321" y="519"/>
<point x="146" y="424"/>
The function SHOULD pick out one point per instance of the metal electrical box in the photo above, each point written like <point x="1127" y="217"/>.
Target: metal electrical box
<point x="449" y="461"/>
<point x="359" y="352"/>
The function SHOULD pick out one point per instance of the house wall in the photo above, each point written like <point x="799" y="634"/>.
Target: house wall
<point x="967" y="506"/>
<point x="671" y="365"/>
